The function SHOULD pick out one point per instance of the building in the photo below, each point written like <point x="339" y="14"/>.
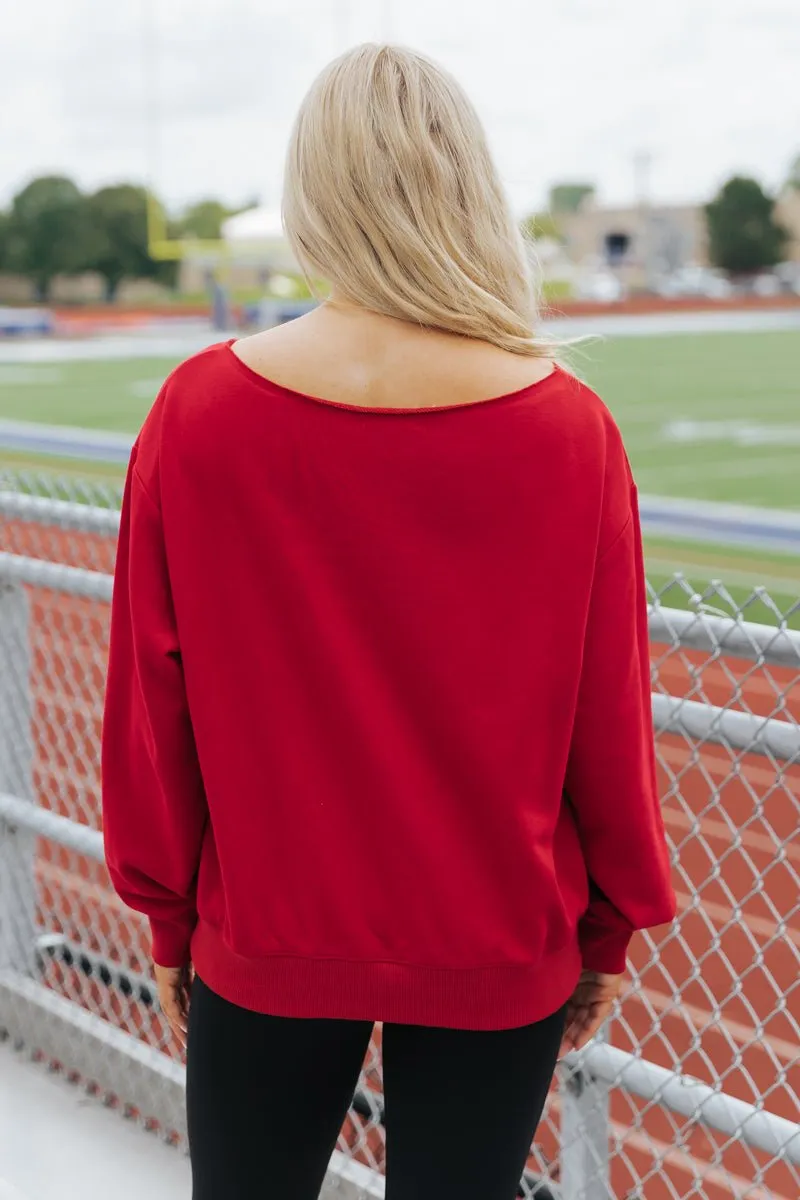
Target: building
<point x="639" y="244"/>
<point x="787" y="211"/>
<point x="643" y="244"/>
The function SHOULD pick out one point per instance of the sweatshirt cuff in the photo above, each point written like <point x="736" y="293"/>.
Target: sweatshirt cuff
<point x="171" y="941"/>
<point x="605" y="951"/>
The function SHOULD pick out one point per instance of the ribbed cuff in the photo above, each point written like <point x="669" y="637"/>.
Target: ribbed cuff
<point x="604" y="950"/>
<point x="170" y="942"/>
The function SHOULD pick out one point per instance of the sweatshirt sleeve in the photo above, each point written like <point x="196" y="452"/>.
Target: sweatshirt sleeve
<point x="611" y="778"/>
<point x="154" y="806"/>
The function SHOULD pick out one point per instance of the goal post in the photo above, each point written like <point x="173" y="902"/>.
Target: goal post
<point x="162" y="248"/>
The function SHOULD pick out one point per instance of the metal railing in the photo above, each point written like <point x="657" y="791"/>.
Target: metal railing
<point x="692" y="1090"/>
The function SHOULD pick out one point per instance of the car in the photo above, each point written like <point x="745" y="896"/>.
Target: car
<point x="694" y="280"/>
<point x="600" y="285"/>
<point x="766" y="284"/>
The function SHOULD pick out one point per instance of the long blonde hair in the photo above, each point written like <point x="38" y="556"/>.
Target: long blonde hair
<point x="391" y="195"/>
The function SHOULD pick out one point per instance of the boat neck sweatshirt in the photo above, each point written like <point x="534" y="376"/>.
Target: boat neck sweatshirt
<point x="378" y="740"/>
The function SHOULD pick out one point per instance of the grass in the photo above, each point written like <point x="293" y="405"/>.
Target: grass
<point x="110" y="394"/>
<point x="649" y="383"/>
<point x="764" y="586"/>
<point x="93" y="483"/>
<point x="751" y="378"/>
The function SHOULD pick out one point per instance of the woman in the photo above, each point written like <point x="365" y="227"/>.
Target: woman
<point x="378" y="744"/>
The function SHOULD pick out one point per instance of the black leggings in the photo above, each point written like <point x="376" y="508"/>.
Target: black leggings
<point x="267" y="1097"/>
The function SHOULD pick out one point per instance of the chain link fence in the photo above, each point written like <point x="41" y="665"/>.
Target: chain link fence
<point x="693" y="1089"/>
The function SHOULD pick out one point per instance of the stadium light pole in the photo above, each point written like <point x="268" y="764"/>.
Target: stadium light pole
<point x="161" y="247"/>
<point x="642" y="166"/>
<point x="151" y="86"/>
<point x="150" y="80"/>
<point x="341" y="13"/>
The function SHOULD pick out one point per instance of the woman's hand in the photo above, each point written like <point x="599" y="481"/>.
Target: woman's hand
<point x="174" y="989"/>
<point x="589" y="1006"/>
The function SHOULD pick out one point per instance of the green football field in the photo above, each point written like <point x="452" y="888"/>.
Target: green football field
<point x="706" y="416"/>
<point x="711" y="416"/>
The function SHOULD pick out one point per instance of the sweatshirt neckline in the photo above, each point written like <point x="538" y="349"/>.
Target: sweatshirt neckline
<point x="265" y="382"/>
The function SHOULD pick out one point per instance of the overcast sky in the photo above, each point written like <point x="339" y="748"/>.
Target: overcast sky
<point x="199" y="94"/>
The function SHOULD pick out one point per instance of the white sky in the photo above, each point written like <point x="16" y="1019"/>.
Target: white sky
<point x="569" y="89"/>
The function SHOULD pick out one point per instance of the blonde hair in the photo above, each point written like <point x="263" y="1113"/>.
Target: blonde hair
<point x="391" y="195"/>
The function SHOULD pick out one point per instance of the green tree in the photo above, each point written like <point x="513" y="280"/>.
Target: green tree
<point x="119" y="222"/>
<point x="542" y="225"/>
<point x="793" y="178"/>
<point x="5" y="240"/>
<point x="743" y="234"/>
<point x="568" y="197"/>
<point x="204" y="220"/>
<point x="49" y="232"/>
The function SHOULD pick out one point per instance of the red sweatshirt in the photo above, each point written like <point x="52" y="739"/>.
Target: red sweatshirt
<point x="378" y="739"/>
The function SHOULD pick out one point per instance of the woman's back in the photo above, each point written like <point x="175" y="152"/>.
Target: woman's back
<point x="405" y="627"/>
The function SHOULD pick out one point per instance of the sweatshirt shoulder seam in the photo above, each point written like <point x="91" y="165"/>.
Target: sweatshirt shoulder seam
<point x="145" y="489"/>
<point x="616" y="539"/>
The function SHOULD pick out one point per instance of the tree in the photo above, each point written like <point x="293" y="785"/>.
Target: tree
<point x="49" y="232"/>
<point x="119" y="222"/>
<point x="541" y="226"/>
<point x="743" y="234"/>
<point x="204" y="220"/>
<point x="5" y="241"/>
<point x="568" y="197"/>
<point x="793" y="178"/>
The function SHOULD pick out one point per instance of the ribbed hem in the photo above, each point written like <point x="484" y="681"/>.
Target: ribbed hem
<point x="501" y="997"/>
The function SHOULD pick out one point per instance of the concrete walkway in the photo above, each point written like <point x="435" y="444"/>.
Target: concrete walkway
<point x="57" y="1144"/>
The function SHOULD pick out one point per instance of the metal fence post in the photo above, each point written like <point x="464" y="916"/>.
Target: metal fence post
<point x="17" y="845"/>
<point x="585" y="1130"/>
